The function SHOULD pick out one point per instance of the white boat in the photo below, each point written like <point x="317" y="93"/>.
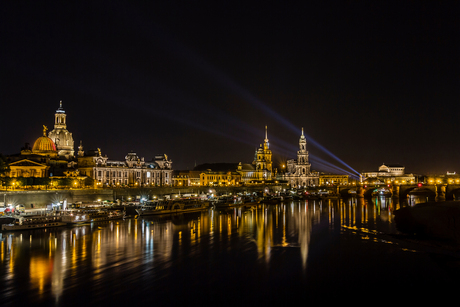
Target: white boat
<point x="34" y="222"/>
<point x="87" y="216"/>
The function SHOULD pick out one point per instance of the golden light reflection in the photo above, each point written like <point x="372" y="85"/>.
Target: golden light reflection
<point x="11" y="255"/>
<point x="40" y="272"/>
<point x="266" y="230"/>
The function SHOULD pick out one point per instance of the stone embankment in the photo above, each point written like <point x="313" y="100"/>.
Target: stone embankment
<point x="433" y="220"/>
<point x="42" y="198"/>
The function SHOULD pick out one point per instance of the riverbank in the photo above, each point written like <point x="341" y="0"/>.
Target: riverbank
<point x="438" y="221"/>
<point x="42" y="198"/>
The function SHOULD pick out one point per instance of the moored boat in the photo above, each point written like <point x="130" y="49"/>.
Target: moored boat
<point x="82" y="216"/>
<point x="34" y="222"/>
<point x="229" y="201"/>
<point x="270" y="200"/>
<point x="172" y="206"/>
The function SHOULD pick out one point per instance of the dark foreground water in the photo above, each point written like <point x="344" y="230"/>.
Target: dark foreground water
<point x="299" y="252"/>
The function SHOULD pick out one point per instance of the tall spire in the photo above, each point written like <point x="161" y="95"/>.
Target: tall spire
<point x="302" y="137"/>
<point x="60" y="104"/>
<point x="266" y="144"/>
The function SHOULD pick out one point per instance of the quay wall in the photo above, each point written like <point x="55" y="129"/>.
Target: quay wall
<point x="42" y="198"/>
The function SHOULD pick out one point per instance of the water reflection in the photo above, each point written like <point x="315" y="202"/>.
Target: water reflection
<point x="48" y="264"/>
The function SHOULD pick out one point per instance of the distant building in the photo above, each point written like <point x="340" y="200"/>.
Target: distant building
<point x="259" y="171"/>
<point x="222" y="178"/>
<point x="391" y="173"/>
<point x="333" y="179"/>
<point x="42" y="160"/>
<point x="448" y="178"/>
<point x="186" y="178"/>
<point x="132" y="172"/>
<point x="216" y="174"/>
<point x="262" y="166"/>
<point x="181" y="178"/>
<point x="299" y="172"/>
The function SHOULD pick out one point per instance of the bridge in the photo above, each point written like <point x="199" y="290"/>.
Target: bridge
<point x="438" y="192"/>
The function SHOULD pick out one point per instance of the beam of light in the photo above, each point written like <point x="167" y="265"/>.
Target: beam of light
<point x="173" y="45"/>
<point x="318" y="163"/>
<point x="227" y="83"/>
<point x="284" y="147"/>
<point x="162" y="95"/>
<point x="329" y="165"/>
<point x="329" y="169"/>
<point x="172" y="95"/>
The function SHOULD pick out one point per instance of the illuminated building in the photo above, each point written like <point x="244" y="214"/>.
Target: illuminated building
<point x="42" y="160"/>
<point x="212" y="174"/>
<point x="43" y="146"/>
<point x="133" y="171"/>
<point x="220" y="178"/>
<point x="186" y="178"/>
<point x="333" y="179"/>
<point x="391" y="173"/>
<point x="50" y="155"/>
<point x="61" y="136"/>
<point x="299" y="172"/>
<point x="259" y="171"/>
<point x="261" y="168"/>
<point x="448" y="178"/>
<point x="247" y="172"/>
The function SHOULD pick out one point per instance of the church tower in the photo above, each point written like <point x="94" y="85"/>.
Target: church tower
<point x="61" y="136"/>
<point x="302" y="157"/>
<point x="263" y="160"/>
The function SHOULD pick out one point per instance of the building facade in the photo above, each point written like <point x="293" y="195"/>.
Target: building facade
<point x="186" y="178"/>
<point x="131" y="172"/>
<point x="333" y="179"/>
<point x="40" y="161"/>
<point x="220" y="178"/>
<point x="391" y="173"/>
<point x="299" y="172"/>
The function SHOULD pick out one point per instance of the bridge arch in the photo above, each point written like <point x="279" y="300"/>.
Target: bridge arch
<point x="176" y="206"/>
<point x="345" y="192"/>
<point x="453" y="194"/>
<point x="423" y="192"/>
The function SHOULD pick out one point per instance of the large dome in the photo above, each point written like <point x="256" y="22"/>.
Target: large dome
<point x="44" y="145"/>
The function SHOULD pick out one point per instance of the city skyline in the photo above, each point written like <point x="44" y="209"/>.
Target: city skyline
<point x="200" y="82"/>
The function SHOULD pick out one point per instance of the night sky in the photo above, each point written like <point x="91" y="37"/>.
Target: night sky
<point x="372" y="82"/>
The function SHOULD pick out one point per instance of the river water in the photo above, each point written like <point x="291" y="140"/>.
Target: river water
<point x="300" y="251"/>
